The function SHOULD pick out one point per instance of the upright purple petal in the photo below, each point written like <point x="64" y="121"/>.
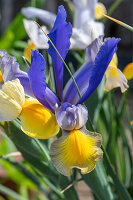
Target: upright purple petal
<point x="38" y="82"/>
<point x="60" y="36"/>
<point x="70" y="117"/>
<point x="81" y="77"/>
<point x="100" y="65"/>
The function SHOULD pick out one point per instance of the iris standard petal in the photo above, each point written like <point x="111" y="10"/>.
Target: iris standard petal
<point x="45" y="16"/>
<point x="100" y="65"/>
<point x="71" y="117"/>
<point x="11" y="100"/>
<point x="37" y="81"/>
<point x="81" y="77"/>
<point x="37" y="121"/>
<point x="77" y="148"/>
<point x="60" y="36"/>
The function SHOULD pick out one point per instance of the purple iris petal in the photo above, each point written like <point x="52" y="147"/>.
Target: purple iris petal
<point x="9" y="66"/>
<point x="100" y="65"/>
<point x="93" y="48"/>
<point x="10" y="70"/>
<point x="38" y="84"/>
<point x="60" y="36"/>
<point x="71" y="117"/>
<point x="70" y="93"/>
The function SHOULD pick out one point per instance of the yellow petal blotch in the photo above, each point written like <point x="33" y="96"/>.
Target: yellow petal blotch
<point x="128" y="71"/>
<point x="27" y="51"/>
<point x="76" y="149"/>
<point x="1" y="78"/>
<point x="37" y="121"/>
<point x="114" y="61"/>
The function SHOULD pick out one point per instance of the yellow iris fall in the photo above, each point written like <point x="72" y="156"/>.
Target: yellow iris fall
<point x="37" y="121"/>
<point x="76" y="149"/>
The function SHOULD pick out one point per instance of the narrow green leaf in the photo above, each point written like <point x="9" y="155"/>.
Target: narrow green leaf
<point x="27" y="173"/>
<point x="10" y="193"/>
<point x="119" y="186"/>
<point x="97" y="181"/>
<point x="24" y="142"/>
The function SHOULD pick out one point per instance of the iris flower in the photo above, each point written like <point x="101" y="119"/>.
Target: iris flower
<point x="85" y="28"/>
<point x="77" y="147"/>
<point x="114" y="77"/>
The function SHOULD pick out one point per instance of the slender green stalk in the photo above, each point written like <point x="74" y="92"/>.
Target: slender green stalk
<point x="130" y="28"/>
<point x="61" y="59"/>
<point x="52" y="78"/>
<point x="112" y="9"/>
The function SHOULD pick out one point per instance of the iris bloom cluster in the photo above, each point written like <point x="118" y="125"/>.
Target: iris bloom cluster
<point x="42" y="113"/>
<point x="85" y="28"/>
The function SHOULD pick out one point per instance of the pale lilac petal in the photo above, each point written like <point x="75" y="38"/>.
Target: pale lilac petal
<point x="45" y="16"/>
<point x="10" y="71"/>
<point x="93" y="48"/>
<point x="70" y="117"/>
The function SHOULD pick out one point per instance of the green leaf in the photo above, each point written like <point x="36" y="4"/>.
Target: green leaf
<point x="28" y="174"/>
<point x="119" y="186"/>
<point x="14" y="32"/>
<point x="23" y="142"/>
<point x="10" y="193"/>
<point x="98" y="182"/>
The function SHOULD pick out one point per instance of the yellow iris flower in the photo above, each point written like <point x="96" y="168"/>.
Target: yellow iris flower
<point x="77" y="148"/>
<point x="114" y="77"/>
